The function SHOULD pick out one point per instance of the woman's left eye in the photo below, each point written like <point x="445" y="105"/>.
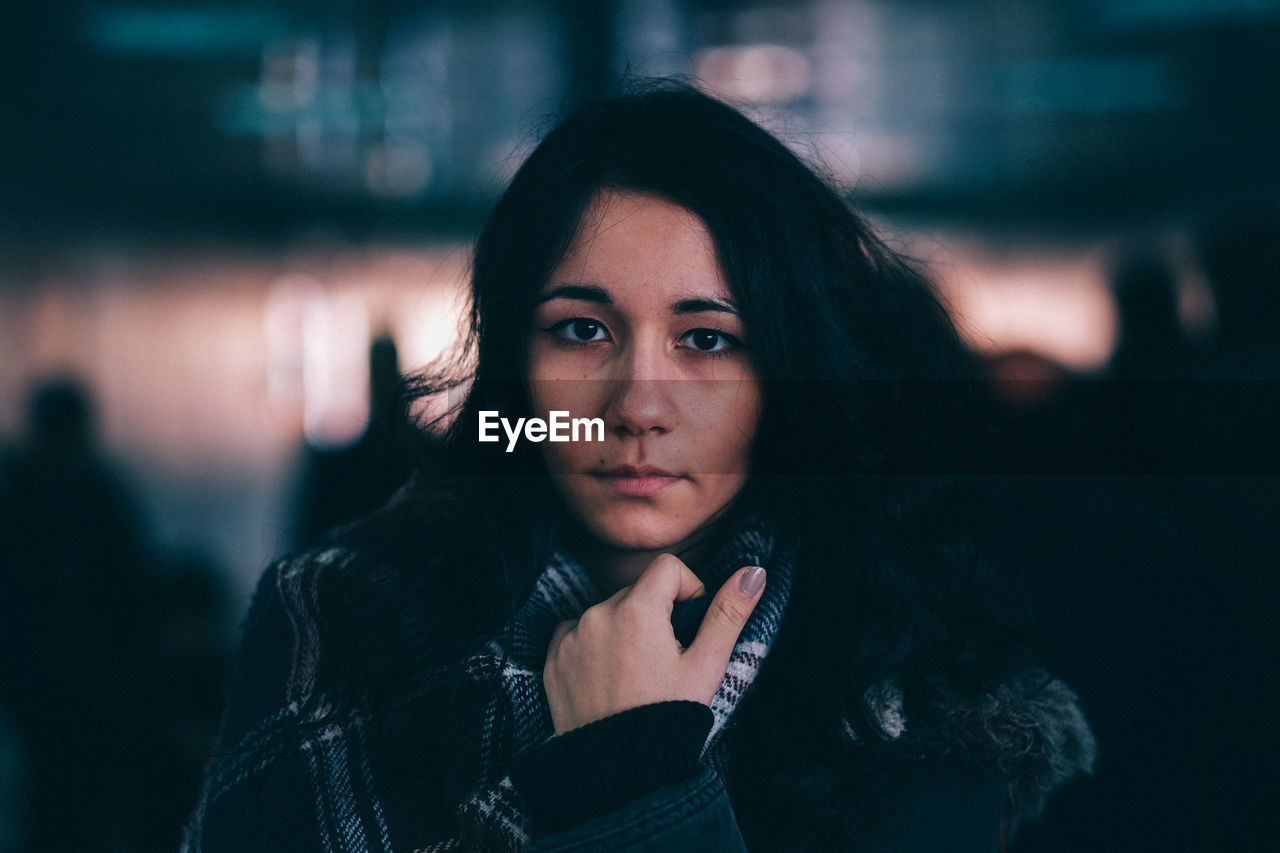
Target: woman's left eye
<point x="710" y="341"/>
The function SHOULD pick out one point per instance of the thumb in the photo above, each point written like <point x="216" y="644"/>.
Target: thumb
<point x="725" y="620"/>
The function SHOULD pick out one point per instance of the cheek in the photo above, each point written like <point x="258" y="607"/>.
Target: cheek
<point x="578" y="397"/>
<point x="733" y="425"/>
<point x="568" y="459"/>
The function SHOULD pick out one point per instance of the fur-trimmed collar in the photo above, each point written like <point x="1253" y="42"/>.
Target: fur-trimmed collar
<point x="1030" y="730"/>
<point x="1025" y="736"/>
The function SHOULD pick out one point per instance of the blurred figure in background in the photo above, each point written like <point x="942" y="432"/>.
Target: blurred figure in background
<point x="1151" y="374"/>
<point x="1240" y="255"/>
<point x="114" y="660"/>
<point x="1153" y="343"/>
<point x="340" y="486"/>
<point x="71" y="565"/>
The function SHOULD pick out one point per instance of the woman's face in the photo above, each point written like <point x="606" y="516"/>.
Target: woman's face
<point x="637" y="326"/>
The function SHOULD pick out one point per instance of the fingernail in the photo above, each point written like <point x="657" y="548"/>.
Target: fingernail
<point x="751" y="581"/>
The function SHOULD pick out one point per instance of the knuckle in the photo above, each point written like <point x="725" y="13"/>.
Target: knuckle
<point x="591" y="619"/>
<point x="556" y="654"/>
<point x="562" y="642"/>
<point x="731" y="613"/>
<point x="632" y="619"/>
<point x="631" y="605"/>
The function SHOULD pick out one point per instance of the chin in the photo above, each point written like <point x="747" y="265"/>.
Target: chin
<point x="639" y="534"/>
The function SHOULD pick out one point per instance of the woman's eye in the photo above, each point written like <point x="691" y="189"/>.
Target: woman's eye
<point x="710" y="341"/>
<point x="580" y="330"/>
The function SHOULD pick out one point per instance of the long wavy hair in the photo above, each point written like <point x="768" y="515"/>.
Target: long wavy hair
<point x="866" y="405"/>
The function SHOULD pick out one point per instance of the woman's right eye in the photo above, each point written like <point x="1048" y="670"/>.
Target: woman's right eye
<point x="580" y="330"/>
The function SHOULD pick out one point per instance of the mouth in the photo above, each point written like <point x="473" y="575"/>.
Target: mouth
<point x="636" y="481"/>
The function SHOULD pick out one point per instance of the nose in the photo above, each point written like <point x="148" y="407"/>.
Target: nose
<point x="643" y="397"/>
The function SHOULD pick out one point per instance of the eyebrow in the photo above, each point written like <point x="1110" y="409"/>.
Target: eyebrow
<point x="585" y="292"/>
<point x="594" y="293"/>
<point x="693" y="306"/>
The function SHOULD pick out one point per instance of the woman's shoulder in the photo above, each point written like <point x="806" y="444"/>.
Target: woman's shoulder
<point x="282" y="638"/>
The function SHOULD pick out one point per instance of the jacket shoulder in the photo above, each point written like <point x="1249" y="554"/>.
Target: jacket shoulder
<point x="257" y="791"/>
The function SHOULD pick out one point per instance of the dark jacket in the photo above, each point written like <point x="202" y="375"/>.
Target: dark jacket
<point x="298" y="770"/>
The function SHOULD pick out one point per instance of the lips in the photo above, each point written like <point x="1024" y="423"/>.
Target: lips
<point x="634" y="471"/>
<point x="640" y="481"/>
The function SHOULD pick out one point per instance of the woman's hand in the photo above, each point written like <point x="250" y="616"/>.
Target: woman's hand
<point x="623" y="652"/>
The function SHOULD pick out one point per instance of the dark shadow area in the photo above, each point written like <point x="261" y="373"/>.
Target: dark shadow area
<point x="1149" y="560"/>
<point x="114" y="661"/>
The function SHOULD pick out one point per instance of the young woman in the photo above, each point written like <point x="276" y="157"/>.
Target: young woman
<point x="740" y="610"/>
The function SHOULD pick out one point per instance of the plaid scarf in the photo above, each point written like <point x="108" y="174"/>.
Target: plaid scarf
<point x="518" y="716"/>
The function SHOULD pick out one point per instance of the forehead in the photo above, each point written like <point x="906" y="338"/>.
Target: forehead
<point x="635" y="243"/>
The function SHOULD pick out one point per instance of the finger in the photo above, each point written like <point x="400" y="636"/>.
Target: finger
<point x="725" y="619"/>
<point x="667" y="579"/>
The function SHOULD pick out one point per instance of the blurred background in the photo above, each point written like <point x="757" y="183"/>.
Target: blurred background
<point x="225" y="226"/>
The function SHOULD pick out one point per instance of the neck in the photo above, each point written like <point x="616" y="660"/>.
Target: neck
<point x="613" y="568"/>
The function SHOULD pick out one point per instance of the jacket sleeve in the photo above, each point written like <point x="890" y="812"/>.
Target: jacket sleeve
<point x="693" y="816"/>
<point x="631" y="781"/>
